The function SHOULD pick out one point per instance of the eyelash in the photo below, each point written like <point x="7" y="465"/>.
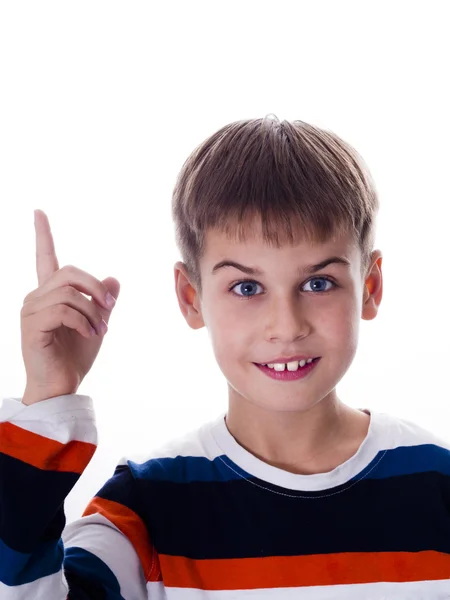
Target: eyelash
<point x="240" y="296"/>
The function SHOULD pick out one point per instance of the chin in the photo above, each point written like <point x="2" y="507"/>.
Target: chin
<point x="279" y="403"/>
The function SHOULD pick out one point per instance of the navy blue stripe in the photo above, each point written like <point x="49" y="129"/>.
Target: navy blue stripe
<point x="121" y="488"/>
<point x="249" y="518"/>
<point x="88" y="577"/>
<point x="17" y="568"/>
<point x="31" y="504"/>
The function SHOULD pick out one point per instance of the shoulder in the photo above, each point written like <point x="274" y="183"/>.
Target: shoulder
<point x="404" y="432"/>
<point x="410" y="447"/>
<point x="194" y="452"/>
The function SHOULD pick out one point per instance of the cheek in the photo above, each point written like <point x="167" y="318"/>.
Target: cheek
<point x="340" y="325"/>
<point x="222" y="315"/>
<point x="229" y="332"/>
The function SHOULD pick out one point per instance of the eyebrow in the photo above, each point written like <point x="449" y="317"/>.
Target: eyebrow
<point x="340" y="260"/>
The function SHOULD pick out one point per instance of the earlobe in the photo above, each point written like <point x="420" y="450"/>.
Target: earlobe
<point x="187" y="296"/>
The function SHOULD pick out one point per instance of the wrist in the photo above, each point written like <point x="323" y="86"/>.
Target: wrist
<point x="34" y="395"/>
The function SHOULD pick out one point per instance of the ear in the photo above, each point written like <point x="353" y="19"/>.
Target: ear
<point x="188" y="298"/>
<point x="373" y="288"/>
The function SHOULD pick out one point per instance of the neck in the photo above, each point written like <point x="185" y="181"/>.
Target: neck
<point x="304" y="442"/>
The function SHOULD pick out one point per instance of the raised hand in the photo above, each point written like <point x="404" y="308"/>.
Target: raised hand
<point x="61" y="330"/>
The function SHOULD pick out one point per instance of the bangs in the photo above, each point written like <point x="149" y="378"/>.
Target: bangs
<point x="279" y="230"/>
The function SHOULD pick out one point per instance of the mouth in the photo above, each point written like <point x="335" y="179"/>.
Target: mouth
<point x="290" y="371"/>
<point x="290" y="364"/>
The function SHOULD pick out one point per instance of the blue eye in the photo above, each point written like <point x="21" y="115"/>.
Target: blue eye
<point x="247" y="287"/>
<point x="321" y="279"/>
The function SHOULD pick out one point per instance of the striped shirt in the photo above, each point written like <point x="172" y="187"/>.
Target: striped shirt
<point x="202" y="518"/>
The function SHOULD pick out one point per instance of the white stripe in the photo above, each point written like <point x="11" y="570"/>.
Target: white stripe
<point x="51" y="587"/>
<point x="54" y="587"/>
<point x="416" y="590"/>
<point x="62" y="419"/>
<point x="98" y="535"/>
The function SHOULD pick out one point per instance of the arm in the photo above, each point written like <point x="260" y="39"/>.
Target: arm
<point x="44" y="448"/>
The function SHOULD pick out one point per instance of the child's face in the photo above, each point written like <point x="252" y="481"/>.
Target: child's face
<point x="282" y="312"/>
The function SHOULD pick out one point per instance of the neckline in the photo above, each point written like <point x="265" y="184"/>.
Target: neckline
<point x="256" y="467"/>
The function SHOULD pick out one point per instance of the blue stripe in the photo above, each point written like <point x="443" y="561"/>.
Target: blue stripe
<point x="89" y="577"/>
<point x="17" y="568"/>
<point x="187" y="469"/>
<point x="408" y="460"/>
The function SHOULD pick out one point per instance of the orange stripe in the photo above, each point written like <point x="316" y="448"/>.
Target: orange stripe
<point x="297" y="571"/>
<point x="43" y="453"/>
<point x="133" y="527"/>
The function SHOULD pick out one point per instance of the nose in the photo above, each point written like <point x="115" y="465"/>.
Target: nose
<point x="286" y="320"/>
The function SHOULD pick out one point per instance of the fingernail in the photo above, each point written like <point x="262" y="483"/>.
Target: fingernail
<point x="110" y="300"/>
<point x="103" y="327"/>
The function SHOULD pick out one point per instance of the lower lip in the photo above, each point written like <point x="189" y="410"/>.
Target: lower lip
<point x="286" y="375"/>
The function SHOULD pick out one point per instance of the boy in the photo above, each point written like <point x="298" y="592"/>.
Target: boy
<point x="291" y="493"/>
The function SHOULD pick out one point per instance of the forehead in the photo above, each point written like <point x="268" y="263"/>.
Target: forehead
<point x="219" y="245"/>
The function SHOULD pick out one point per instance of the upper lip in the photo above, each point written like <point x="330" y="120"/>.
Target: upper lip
<point x="284" y="359"/>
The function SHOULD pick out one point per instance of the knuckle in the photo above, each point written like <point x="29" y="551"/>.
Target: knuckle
<point x="59" y="309"/>
<point x="69" y="291"/>
<point x="29" y="296"/>
<point x="25" y="300"/>
<point x="69" y="271"/>
<point x="70" y="268"/>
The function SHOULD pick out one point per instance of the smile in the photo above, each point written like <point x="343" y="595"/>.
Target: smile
<point x="293" y="373"/>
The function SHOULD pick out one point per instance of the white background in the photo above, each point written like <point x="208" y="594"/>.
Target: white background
<point x="101" y="103"/>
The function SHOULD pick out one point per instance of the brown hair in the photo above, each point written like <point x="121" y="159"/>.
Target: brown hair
<point x="292" y="176"/>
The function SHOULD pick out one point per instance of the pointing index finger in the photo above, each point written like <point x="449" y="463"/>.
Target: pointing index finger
<point x="46" y="261"/>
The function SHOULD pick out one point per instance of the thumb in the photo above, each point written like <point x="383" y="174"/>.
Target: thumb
<point x="113" y="286"/>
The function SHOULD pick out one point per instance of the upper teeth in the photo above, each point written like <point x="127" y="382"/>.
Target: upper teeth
<point x="291" y="366"/>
